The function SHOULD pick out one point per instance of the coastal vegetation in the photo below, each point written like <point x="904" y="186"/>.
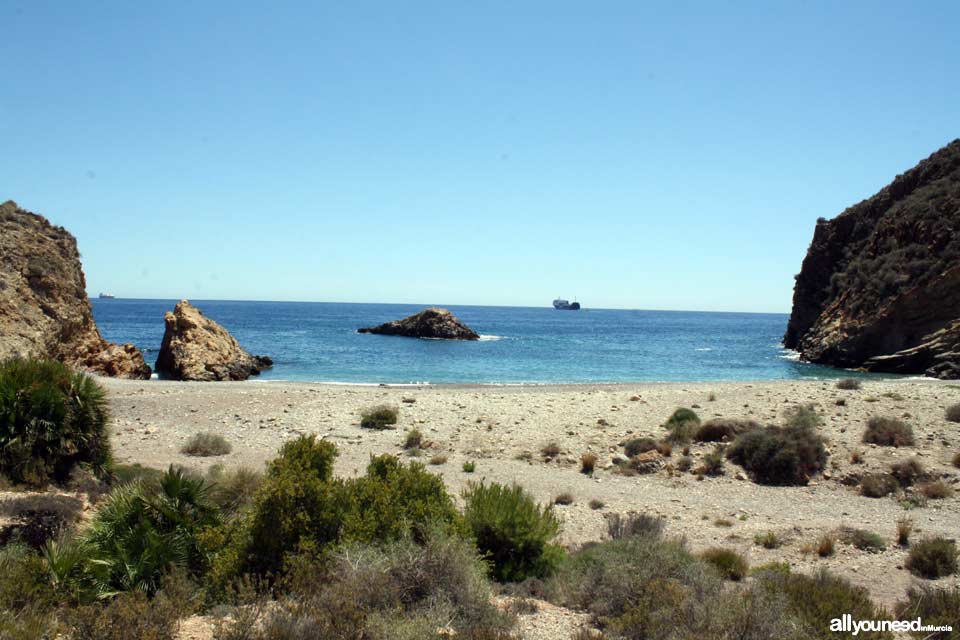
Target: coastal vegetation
<point x="206" y="444"/>
<point x="379" y="417"/>
<point x="888" y="432"/>
<point x="298" y="550"/>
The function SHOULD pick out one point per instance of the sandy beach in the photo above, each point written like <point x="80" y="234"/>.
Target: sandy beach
<point x="502" y="429"/>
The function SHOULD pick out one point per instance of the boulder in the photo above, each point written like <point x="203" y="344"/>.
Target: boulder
<point x="429" y="323"/>
<point x="197" y="348"/>
<point x="44" y="308"/>
<point x="879" y="288"/>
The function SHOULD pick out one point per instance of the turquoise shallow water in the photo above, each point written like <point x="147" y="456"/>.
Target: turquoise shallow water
<point x="316" y="341"/>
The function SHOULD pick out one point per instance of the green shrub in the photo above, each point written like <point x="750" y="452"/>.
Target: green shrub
<point x="849" y="384"/>
<point x="395" y="500"/>
<point x="932" y="558"/>
<point x="682" y="425"/>
<point x="813" y="601"/>
<point x="802" y="416"/>
<point x="636" y="446"/>
<point x="720" y="429"/>
<point x="23" y="581"/>
<point x="907" y="471"/>
<point x="140" y="532"/>
<point x="888" y="432"/>
<point x="728" y="563"/>
<point x="634" y="524"/>
<point x="878" y="485"/>
<point x="233" y="490"/>
<point x="305" y="454"/>
<point x="953" y="412"/>
<point x="206" y="445"/>
<point x="399" y="591"/>
<point x="768" y="540"/>
<point x="936" y="606"/>
<point x="863" y="540"/>
<point x="469" y="466"/>
<point x="414" y="439"/>
<point x="514" y="532"/>
<point x="53" y="419"/>
<point x="713" y="462"/>
<point x="682" y="415"/>
<point x="788" y="455"/>
<point x="379" y="417"/>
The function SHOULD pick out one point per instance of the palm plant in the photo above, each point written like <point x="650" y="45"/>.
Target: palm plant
<point x="143" y="531"/>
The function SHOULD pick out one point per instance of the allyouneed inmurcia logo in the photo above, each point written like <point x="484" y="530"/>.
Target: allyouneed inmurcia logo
<point x="846" y="623"/>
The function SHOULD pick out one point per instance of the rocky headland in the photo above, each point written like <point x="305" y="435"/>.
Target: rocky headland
<point x="879" y="288"/>
<point x="430" y="323"/>
<point x="197" y="348"/>
<point x="44" y="308"/>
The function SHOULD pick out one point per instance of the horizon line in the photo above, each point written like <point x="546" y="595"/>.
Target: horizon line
<point x="425" y="305"/>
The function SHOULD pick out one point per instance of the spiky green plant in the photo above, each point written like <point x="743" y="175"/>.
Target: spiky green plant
<point x="51" y="419"/>
<point x="142" y="531"/>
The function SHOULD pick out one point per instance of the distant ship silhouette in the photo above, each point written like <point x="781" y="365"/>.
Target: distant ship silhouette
<point x="565" y="305"/>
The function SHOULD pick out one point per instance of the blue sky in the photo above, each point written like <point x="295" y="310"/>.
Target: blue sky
<point x="666" y="155"/>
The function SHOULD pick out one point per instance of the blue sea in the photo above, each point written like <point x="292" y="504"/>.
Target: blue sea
<point x="315" y="341"/>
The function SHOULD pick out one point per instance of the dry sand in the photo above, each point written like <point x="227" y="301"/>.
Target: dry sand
<point x="496" y="426"/>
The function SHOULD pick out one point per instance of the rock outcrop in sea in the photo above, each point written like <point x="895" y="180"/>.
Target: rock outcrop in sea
<point x="880" y="286"/>
<point x="197" y="348"/>
<point x="429" y="323"/>
<point x="44" y="308"/>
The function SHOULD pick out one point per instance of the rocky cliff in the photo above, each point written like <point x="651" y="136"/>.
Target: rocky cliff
<point x="429" y="323"/>
<point x="880" y="285"/>
<point x="197" y="348"/>
<point x="44" y="309"/>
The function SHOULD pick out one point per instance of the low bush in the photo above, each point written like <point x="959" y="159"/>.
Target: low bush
<point x="682" y="425"/>
<point x="233" y="490"/>
<point x="888" y="432"/>
<point x="849" y="384"/>
<point x="728" y="563"/>
<point x="636" y="446"/>
<point x="398" y="591"/>
<point x="864" y="540"/>
<point x="379" y="417"/>
<point x="684" y="464"/>
<point x="712" y="463"/>
<point x="596" y="504"/>
<point x="768" y="540"/>
<point x="788" y="455"/>
<point x="515" y="533"/>
<point x="936" y="606"/>
<point x="23" y="581"/>
<point x="206" y="445"/>
<point x="878" y="485"/>
<point x="907" y="471"/>
<point x="802" y="416"/>
<point x="414" y="439"/>
<point x="588" y="463"/>
<point x="634" y="524"/>
<point x="53" y="419"/>
<point x="956" y="460"/>
<point x="722" y="429"/>
<point x="937" y="490"/>
<point x="438" y="460"/>
<point x="564" y="499"/>
<point x="469" y="466"/>
<point x="953" y="413"/>
<point x="932" y="558"/>
<point x="904" y="529"/>
<point x="550" y="450"/>
<point x="825" y="546"/>
<point x="813" y="601"/>
<point x="140" y="531"/>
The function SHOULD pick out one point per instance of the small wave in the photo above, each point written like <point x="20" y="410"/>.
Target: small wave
<point x="793" y="356"/>
<point x="485" y="338"/>
<point x="704" y="349"/>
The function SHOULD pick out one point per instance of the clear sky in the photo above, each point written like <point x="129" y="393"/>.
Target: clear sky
<point x="668" y="155"/>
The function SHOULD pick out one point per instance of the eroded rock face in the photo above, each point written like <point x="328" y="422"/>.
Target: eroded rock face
<point x="429" y="323"/>
<point x="880" y="285"/>
<point x="44" y="309"/>
<point x="197" y="348"/>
